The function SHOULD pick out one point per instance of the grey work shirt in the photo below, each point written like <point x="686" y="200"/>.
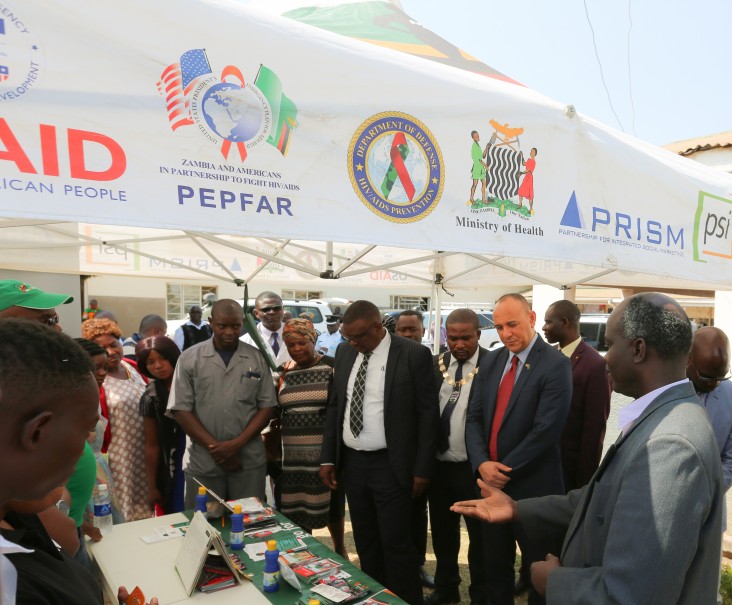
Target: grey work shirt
<point x="224" y="399"/>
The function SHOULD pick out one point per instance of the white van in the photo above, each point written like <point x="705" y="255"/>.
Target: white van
<point x="592" y="331"/>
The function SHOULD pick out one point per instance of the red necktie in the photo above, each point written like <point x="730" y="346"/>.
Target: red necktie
<point x="502" y="398"/>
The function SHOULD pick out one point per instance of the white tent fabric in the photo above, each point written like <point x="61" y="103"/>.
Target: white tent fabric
<point x="220" y="120"/>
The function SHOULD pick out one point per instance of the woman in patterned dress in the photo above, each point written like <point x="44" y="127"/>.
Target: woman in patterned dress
<point x="124" y="385"/>
<point x="303" y="395"/>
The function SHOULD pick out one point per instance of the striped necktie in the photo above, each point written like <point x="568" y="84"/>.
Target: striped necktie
<point x="359" y="387"/>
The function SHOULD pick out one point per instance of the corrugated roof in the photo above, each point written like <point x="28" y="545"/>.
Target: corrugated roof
<point x="691" y="146"/>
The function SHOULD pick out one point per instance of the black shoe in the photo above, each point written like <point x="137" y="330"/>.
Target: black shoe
<point x="427" y="579"/>
<point x="443" y="597"/>
<point x="521" y="586"/>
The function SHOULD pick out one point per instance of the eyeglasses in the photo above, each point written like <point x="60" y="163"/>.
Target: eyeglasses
<point x="51" y="321"/>
<point x="710" y="379"/>
<point x="265" y="310"/>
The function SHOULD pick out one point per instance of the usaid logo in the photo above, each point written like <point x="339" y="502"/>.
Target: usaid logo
<point x="712" y="234"/>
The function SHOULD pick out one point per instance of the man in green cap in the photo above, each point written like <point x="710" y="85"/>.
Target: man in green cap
<point x="23" y="301"/>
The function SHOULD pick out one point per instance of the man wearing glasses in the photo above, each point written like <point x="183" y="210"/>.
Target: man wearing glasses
<point x="269" y="311"/>
<point x="380" y="442"/>
<point x="22" y="301"/>
<point x="708" y="371"/>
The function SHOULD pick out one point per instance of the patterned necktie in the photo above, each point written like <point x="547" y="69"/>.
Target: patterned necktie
<point x="446" y="415"/>
<point x="502" y="398"/>
<point x="275" y="344"/>
<point x="359" y="386"/>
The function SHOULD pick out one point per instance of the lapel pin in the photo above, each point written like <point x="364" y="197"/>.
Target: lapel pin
<point x="527" y="366"/>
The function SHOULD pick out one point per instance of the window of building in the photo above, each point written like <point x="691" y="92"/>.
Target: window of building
<point x="301" y="294"/>
<point x="180" y="297"/>
<point x="399" y="301"/>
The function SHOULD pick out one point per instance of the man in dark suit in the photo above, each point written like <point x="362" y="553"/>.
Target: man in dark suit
<point x="455" y="373"/>
<point x="585" y="429"/>
<point x="380" y="441"/>
<point x="647" y="528"/>
<point x="517" y="410"/>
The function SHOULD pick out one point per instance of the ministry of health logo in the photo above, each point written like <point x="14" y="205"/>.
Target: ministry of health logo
<point x="396" y="167"/>
<point x="228" y="110"/>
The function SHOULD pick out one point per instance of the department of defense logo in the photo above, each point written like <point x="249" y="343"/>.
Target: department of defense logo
<point x="20" y="55"/>
<point x="396" y="167"/>
<point x="227" y="110"/>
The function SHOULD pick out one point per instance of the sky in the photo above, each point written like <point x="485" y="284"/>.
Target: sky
<point x="670" y="81"/>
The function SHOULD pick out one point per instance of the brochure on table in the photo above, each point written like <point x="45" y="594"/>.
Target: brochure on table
<point x="200" y="538"/>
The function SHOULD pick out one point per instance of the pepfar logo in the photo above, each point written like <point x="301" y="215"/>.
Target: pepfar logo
<point x="231" y="112"/>
<point x="712" y="234"/>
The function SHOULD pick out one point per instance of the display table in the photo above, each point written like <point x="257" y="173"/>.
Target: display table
<point x="124" y="559"/>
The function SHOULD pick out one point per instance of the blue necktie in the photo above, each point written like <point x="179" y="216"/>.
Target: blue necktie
<point x="275" y="344"/>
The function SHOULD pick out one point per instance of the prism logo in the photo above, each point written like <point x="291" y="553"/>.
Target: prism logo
<point x="572" y="215"/>
<point x="618" y="227"/>
<point x="712" y="233"/>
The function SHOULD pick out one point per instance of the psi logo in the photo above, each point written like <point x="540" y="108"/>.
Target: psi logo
<point x="396" y="167"/>
<point x="712" y="234"/>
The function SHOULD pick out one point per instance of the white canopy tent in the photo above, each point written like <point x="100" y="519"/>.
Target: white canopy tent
<point x="220" y="138"/>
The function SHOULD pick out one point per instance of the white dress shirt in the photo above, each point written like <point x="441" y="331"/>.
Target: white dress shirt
<point x="8" y="573"/>
<point x="631" y="412"/>
<point x="180" y="338"/>
<point x="373" y="435"/>
<point x="456" y="452"/>
<point x="283" y="355"/>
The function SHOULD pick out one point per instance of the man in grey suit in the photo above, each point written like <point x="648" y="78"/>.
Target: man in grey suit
<point x="647" y="528"/>
<point x="380" y="442"/>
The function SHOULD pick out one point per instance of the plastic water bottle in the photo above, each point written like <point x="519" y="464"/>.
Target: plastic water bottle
<point x="201" y="500"/>
<point x="103" y="509"/>
<point x="271" y="577"/>
<point x="236" y="535"/>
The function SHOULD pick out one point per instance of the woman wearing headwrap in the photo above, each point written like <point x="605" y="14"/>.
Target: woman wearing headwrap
<point x="303" y="395"/>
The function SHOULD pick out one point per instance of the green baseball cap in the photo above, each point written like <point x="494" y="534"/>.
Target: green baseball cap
<point x="15" y="293"/>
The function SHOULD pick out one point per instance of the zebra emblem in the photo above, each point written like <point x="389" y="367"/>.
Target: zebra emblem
<point x="503" y="172"/>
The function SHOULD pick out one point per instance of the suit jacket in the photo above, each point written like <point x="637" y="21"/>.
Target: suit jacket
<point x="647" y="528"/>
<point x="719" y="408"/>
<point x="528" y="439"/>
<point x="411" y="409"/>
<point x="584" y="432"/>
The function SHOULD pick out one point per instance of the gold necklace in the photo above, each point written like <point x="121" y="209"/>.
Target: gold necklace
<point x="451" y="381"/>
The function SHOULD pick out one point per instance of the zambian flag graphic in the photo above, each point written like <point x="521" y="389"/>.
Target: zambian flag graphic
<point x="284" y="111"/>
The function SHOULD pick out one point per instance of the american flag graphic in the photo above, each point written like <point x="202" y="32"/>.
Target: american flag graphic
<point x="4" y="73"/>
<point x="176" y="82"/>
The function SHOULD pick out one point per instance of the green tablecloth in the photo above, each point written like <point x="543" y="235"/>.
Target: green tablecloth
<point x="287" y="595"/>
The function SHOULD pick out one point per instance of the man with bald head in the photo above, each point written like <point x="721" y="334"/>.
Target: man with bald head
<point x="516" y="413"/>
<point x="647" y="527"/>
<point x="708" y="371"/>
<point x="223" y="396"/>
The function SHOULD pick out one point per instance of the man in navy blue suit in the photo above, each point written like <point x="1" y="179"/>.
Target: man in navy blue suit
<point x="516" y="414"/>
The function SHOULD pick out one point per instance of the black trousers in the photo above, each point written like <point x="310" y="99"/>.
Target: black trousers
<point x="381" y="511"/>
<point x="500" y="557"/>
<point x="419" y="527"/>
<point x="453" y="482"/>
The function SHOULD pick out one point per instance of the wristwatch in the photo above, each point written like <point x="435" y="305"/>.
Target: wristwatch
<point x="63" y="506"/>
